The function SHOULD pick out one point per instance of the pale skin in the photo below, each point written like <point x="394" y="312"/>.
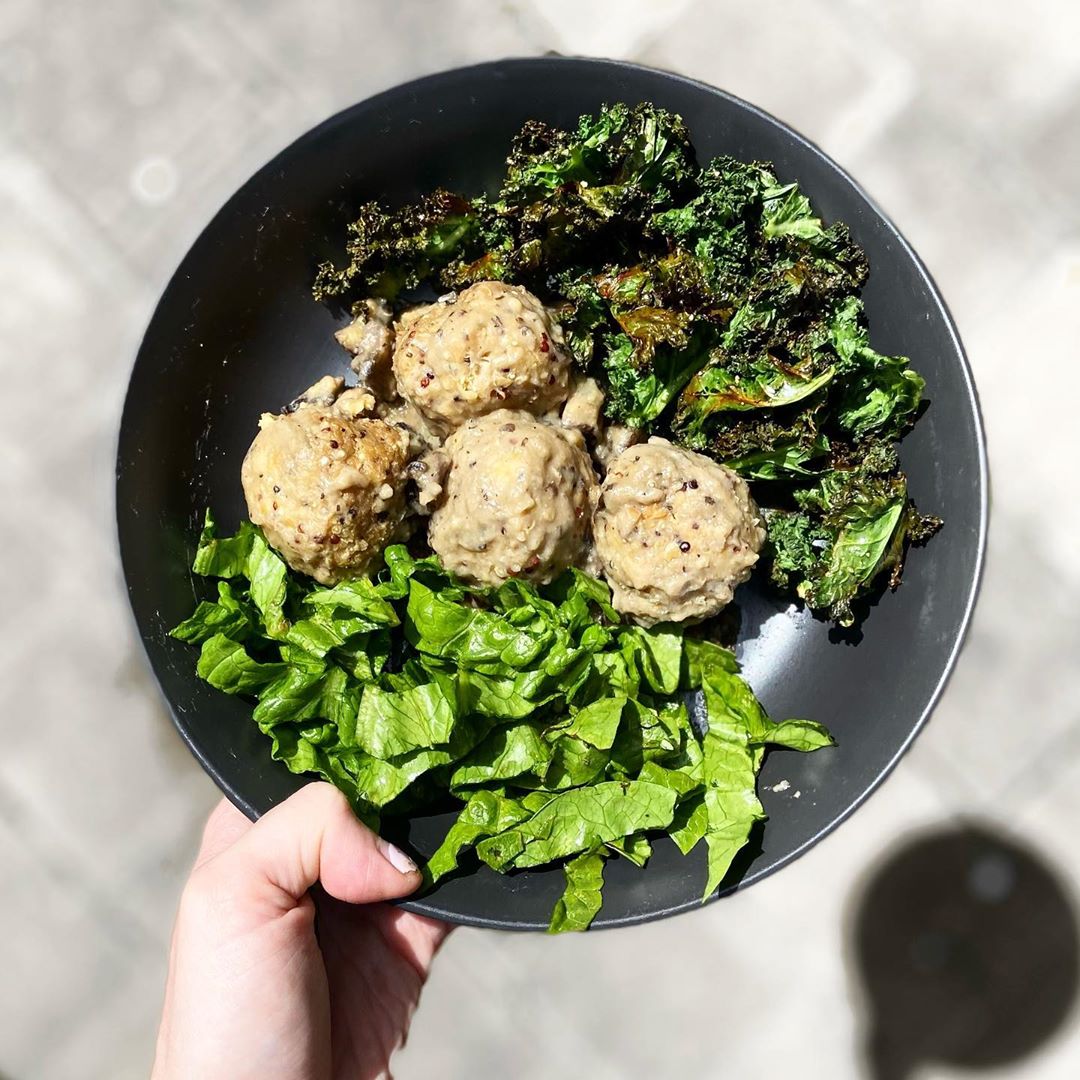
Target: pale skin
<point x="284" y="961"/>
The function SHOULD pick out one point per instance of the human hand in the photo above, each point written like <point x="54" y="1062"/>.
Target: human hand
<point x="269" y="980"/>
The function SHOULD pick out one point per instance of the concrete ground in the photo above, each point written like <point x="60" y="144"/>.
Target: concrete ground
<point x="125" y="124"/>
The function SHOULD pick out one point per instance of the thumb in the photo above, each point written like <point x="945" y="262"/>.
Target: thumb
<point x="315" y="837"/>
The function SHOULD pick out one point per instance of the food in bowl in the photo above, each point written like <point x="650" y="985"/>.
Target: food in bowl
<point x="676" y="533"/>
<point x="680" y="346"/>
<point x="518" y="500"/>
<point x="492" y="346"/>
<point x="326" y="488"/>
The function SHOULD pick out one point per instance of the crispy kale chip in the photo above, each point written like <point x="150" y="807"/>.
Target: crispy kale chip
<point x="851" y="526"/>
<point x="392" y="250"/>
<point x="626" y="160"/>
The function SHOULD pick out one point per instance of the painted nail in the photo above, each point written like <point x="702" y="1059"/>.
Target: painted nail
<point x="395" y="857"/>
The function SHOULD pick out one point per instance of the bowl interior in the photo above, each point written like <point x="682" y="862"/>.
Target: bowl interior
<point x="236" y="333"/>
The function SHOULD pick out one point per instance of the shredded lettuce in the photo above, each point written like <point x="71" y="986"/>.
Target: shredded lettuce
<point x="581" y="900"/>
<point x="561" y="733"/>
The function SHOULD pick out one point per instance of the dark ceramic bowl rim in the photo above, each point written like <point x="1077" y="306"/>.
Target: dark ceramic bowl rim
<point x="426" y="907"/>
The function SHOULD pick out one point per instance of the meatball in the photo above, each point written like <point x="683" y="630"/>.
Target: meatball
<point x="517" y="500"/>
<point x="326" y="488"/>
<point x="675" y="533"/>
<point x="492" y="347"/>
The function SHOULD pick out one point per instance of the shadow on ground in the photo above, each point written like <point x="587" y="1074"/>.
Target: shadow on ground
<point x="966" y="947"/>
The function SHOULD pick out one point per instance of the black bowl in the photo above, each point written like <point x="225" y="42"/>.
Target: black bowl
<point x="237" y="332"/>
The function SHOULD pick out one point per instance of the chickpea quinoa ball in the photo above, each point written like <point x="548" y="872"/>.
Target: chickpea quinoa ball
<point x="491" y="347"/>
<point x="517" y="500"/>
<point x="675" y="532"/>
<point x="326" y="487"/>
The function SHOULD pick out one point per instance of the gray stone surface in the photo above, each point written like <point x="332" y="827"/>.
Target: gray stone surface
<point x="124" y="124"/>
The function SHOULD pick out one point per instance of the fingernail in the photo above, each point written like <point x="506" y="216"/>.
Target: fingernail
<point x="396" y="857"/>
